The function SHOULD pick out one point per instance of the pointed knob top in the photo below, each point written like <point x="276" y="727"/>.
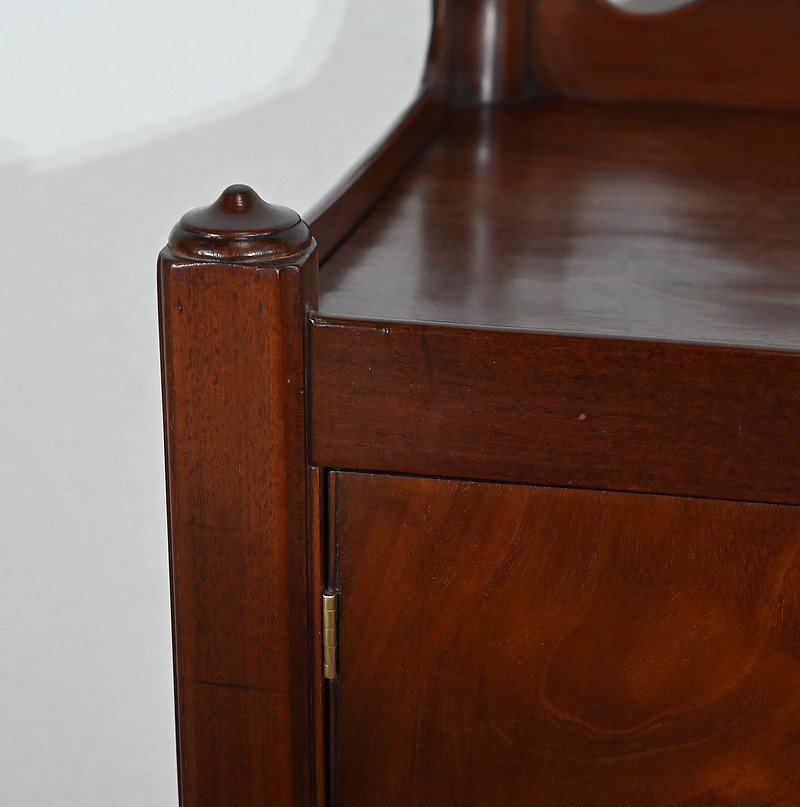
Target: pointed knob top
<point x="240" y="226"/>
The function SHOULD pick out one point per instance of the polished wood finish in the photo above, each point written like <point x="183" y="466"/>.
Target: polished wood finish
<point x="638" y="221"/>
<point x="601" y="299"/>
<point x="317" y="580"/>
<point x="506" y="645"/>
<point x="743" y="53"/>
<point x="735" y="53"/>
<point x="335" y="216"/>
<point x="558" y="410"/>
<point x="480" y="52"/>
<point x="234" y="284"/>
<point x="240" y="227"/>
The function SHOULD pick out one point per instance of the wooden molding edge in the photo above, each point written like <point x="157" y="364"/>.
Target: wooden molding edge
<point x="340" y="211"/>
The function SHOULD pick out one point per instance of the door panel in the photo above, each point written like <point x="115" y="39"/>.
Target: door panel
<point x="512" y="645"/>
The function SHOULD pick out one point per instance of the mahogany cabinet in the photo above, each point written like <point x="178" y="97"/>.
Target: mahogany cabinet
<point x="483" y="477"/>
<point x="508" y="644"/>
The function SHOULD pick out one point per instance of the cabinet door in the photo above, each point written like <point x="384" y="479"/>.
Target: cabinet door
<point x="512" y="645"/>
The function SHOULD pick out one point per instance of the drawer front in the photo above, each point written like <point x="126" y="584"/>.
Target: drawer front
<point x="506" y="644"/>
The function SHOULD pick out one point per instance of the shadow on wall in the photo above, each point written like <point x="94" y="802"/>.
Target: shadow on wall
<point x="87" y="701"/>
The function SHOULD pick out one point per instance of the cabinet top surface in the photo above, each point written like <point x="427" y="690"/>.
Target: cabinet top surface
<point x="639" y="222"/>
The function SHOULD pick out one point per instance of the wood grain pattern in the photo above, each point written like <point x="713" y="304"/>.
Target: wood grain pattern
<point x="638" y="222"/>
<point x="510" y="645"/>
<point x="555" y="410"/>
<point x="234" y="402"/>
<point x="742" y="53"/>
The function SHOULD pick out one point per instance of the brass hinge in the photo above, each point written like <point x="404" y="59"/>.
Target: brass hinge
<point x="330" y="639"/>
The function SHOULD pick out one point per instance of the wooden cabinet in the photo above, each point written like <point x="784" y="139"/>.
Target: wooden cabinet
<point x="516" y="645"/>
<point x="511" y="425"/>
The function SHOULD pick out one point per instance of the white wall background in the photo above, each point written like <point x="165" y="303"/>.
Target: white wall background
<point x="117" y="118"/>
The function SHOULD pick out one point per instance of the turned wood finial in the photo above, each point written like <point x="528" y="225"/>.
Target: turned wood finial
<point x="240" y="227"/>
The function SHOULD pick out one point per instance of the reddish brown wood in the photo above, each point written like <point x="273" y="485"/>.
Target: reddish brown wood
<point x="335" y="216"/>
<point x="332" y="685"/>
<point x="742" y="53"/>
<point x="635" y="221"/>
<point x="556" y="410"/>
<point x="234" y="283"/>
<point x="504" y="645"/>
<point x="317" y="573"/>
<point x="480" y="52"/>
<point x="240" y="227"/>
<point x="535" y="646"/>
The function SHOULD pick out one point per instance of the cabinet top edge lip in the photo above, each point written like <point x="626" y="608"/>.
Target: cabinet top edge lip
<point x="325" y="321"/>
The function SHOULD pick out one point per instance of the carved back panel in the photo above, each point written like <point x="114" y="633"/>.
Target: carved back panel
<point x="741" y="53"/>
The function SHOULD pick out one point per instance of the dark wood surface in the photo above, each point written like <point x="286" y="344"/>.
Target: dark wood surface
<point x="334" y="217"/>
<point x="664" y="223"/>
<point x="507" y="645"/>
<point x="742" y="53"/>
<point x="480" y="52"/>
<point x="234" y="282"/>
<point x="555" y="410"/>
<point x="317" y="580"/>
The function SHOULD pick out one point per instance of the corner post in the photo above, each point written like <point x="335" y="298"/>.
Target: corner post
<point x="235" y="282"/>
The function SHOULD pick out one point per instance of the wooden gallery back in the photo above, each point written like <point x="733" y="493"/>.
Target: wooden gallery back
<point x="483" y="483"/>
